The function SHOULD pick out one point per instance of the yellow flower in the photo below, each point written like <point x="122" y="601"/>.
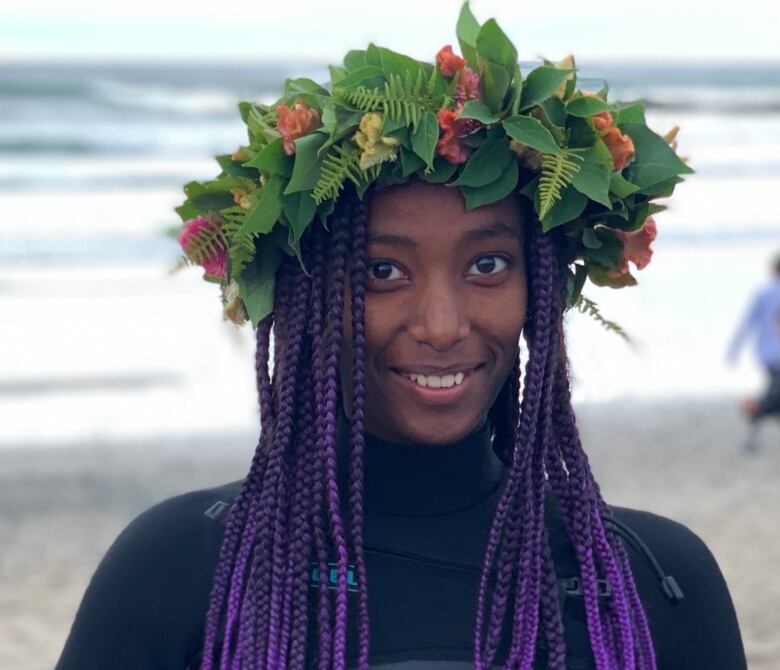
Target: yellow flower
<point x="233" y="307"/>
<point x="374" y="148"/>
<point x="566" y="64"/>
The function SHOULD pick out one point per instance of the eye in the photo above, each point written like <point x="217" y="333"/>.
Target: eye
<point x="384" y="271"/>
<point x="489" y="264"/>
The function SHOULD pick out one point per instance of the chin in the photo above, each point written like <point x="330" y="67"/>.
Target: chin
<point x="442" y="428"/>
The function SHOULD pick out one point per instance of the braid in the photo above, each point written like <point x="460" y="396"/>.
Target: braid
<point x="357" y="437"/>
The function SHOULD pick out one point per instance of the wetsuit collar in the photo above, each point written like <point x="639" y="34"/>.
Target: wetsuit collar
<point x="424" y="479"/>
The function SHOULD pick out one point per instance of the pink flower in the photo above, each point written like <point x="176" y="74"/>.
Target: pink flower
<point x="467" y="87"/>
<point x="295" y="123"/>
<point x="448" y="62"/>
<point x="215" y="261"/>
<point x="636" y="246"/>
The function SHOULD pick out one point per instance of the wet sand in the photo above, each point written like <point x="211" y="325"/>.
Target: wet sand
<point x="61" y="507"/>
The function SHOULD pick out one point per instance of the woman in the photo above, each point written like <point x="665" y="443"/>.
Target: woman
<point x="409" y="506"/>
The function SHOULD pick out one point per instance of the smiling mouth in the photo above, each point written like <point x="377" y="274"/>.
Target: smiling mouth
<point x="453" y="377"/>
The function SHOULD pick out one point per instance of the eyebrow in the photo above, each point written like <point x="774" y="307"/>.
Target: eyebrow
<point x="494" y="229"/>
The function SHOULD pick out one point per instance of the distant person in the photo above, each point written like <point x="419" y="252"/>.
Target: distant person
<point x="762" y="321"/>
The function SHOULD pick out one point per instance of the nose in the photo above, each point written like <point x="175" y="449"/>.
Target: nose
<point x="440" y="319"/>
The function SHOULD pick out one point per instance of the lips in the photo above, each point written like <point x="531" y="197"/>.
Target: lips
<point x="444" y="385"/>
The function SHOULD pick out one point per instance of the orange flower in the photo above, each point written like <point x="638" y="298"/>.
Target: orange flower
<point x="450" y="144"/>
<point x="449" y="63"/>
<point x="620" y="146"/>
<point x="636" y="246"/>
<point x="294" y="123"/>
<point x="602" y="121"/>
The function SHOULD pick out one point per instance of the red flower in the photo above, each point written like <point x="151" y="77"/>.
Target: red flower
<point x="215" y="262"/>
<point x="449" y="63"/>
<point x="294" y="123"/>
<point x="620" y="146"/>
<point x="450" y="144"/>
<point x="636" y="246"/>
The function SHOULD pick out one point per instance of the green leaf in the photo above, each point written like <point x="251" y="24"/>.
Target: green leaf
<point x="306" y="90"/>
<point x="634" y="113"/>
<point x="272" y="159"/>
<point x="574" y="283"/>
<point x="368" y="76"/>
<point x="493" y="45"/>
<point x="187" y="210"/>
<point x="494" y="82"/>
<point x="620" y="186"/>
<point x="590" y="239"/>
<point x="354" y="59"/>
<point x="493" y="192"/>
<point x="399" y="64"/>
<point x="609" y="250"/>
<point x="476" y="109"/>
<point x="308" y="162"/>
<point x="570" y="206"/>
<point x="517" y="91"/>
<point x="581" y="134"/>
<point x="592" y="179"/>
<point x="336" y="74"/>
<point x="487" y="163"/>
<point x="587" y="106"/>
<point x="207" y="198"/>
<point x="235" y="169"/>
<point x="410" y="162"/>
<point x="541" y="83"/>
<point x="600" y="276"/>
<point x="262" y="217"/>
<point x="529" y="131"/>
<point x="425" y="137"/>
<point x="442" y="171"/>
<point x="655" y="161"/>
<point x="467" y="30"/>
<point x="299" y="210"/>
<point x="555" y="111"/>
<point x="256" y="283"/>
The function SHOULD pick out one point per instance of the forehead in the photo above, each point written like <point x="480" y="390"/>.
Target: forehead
<point x="420" y="210"/>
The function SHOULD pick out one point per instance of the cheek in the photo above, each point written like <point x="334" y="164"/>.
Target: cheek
<point x="502" y="317"/>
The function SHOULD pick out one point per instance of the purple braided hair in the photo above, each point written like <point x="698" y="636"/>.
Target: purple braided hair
<point x="290" y="512"/>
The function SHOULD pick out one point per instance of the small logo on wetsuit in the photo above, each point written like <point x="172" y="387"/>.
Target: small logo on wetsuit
<point x="333" y="576"/>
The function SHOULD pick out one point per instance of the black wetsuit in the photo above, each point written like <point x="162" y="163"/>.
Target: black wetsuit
<point x="428" y="513"/>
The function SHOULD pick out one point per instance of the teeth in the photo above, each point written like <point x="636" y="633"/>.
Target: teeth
<point x="436" y="381"/>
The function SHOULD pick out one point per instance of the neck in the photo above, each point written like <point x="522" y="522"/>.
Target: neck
<point x="424" y="479"/>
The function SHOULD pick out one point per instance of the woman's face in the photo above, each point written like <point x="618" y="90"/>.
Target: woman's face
<point x="444" y="310"/>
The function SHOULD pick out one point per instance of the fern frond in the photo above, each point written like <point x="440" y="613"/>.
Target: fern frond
<point x="406" y="99"/>
<point x="340" y="164"/>
<point x="232" y="220"/>
<point x="364" y="99"/>
<point x="557" y="172"/>
<point x="587" y="306"/>
<point x="241" y="253"/>
<point x="208" y="242"/>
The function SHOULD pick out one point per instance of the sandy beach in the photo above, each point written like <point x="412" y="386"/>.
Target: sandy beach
<point x="63" y="506"/>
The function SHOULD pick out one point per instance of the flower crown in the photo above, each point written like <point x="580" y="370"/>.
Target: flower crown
<point x="472" y="121"/>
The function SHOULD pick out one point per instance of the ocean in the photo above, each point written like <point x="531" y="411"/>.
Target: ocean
<point x="100" y="343"/>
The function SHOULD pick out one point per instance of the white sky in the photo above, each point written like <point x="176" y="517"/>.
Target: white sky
<point x="659" y="29"/>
